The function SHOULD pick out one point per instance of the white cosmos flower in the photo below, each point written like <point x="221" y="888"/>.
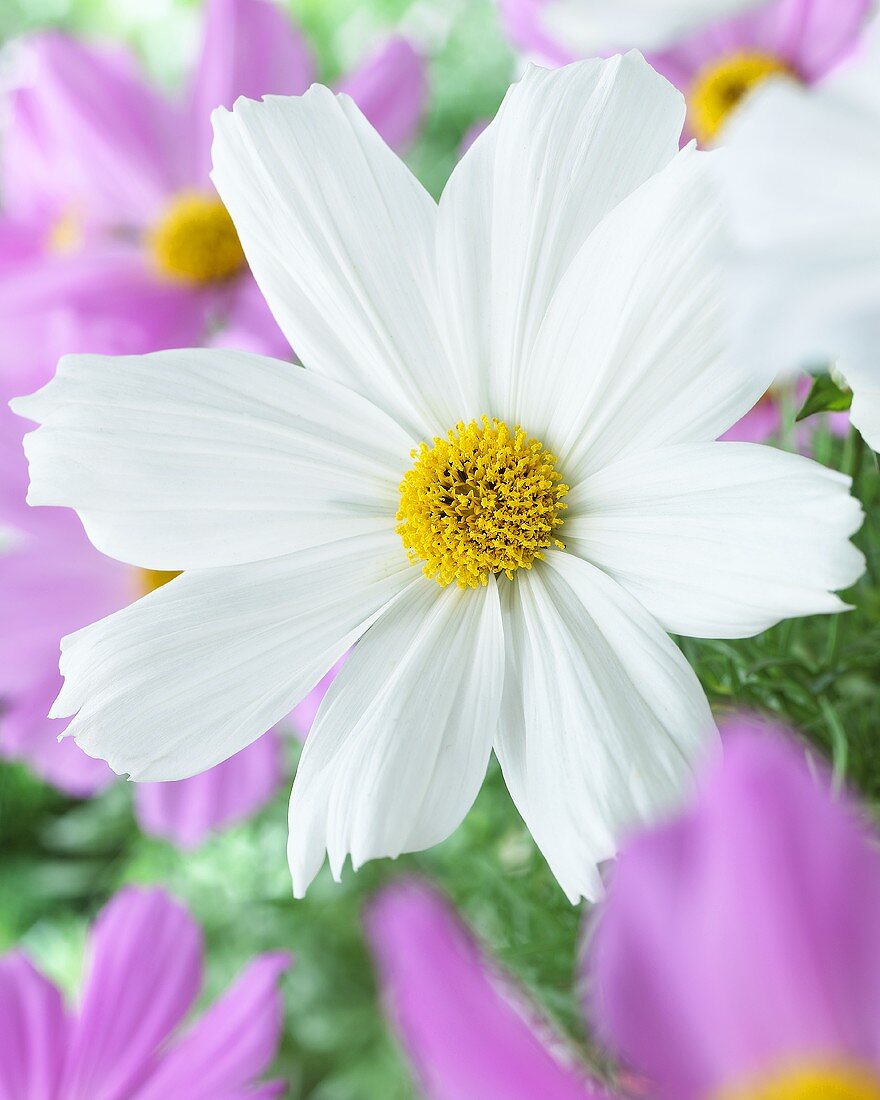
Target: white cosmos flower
<point x="568" y="282"/>
<point x="589" y="26"/>
<point x="803" y="174"/>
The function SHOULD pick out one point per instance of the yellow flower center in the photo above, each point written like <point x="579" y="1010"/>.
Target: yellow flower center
<point x="151" y="579"/>
<point x="66" y="235"/>
<point x="484" y="500"/>
<point x="721" y="86"/>
<point x="196" y="241"/>
<point x="814" y="1083"/>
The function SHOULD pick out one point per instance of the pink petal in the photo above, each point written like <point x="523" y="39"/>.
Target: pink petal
<point x="758" y="425"/>
<point x="231" y="1045"/>
<point x="186" y="812"/>
<point x="810" y="35"/>
<point x="249" y="48"/>
<point x="103" y="300"/>
<point x="144" y="972"/>
<point x="33" y="1032"/>
<point x="303" y="714"/>
<point x="522" y="21"/>
<point x="460" y="1023"/>
<point x="52" y="582"/>
<point x="248" y="324"/>
<point x="33" y="188"/>
<point x="110" y="136"/>
<point x="747" y="932"/>
<point x="390" y="88"/>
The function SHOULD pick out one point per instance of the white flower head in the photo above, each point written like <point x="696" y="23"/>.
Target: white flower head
<point x="588" y="26"/>
<point x="801" y="173"/>
<point x="497" y="477"/>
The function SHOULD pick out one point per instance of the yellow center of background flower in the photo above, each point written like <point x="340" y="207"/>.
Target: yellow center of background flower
<point x="484" y="500"/>
<point x="814" y="1083"/>
<point x="721" y="86"/>
<point x="196" y="241"/>
<point x="66" y="235"/>
<point x="151" y="579"/>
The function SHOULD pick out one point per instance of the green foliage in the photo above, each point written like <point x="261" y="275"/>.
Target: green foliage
<point x="825" y="396"/>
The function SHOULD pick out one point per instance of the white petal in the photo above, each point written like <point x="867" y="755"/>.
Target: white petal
<point x="720" y="540"/>
<point x="632" y="354"/>
<point x="566" y="147"/>
<point x="400" y="745"/>
<point x="799" y="173"/>
<point x="864" y="378"/>
<point x="340" y="236"/>
<point x="602" y="716"/>
<point x="189" y="459"/>
<point x="592" y="26"/>
<point x="194" y="672"/>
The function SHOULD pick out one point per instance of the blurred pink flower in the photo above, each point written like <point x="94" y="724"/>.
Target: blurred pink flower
<point x="110" y="217"/>
<point x="719" y="65"/>
<point x="125" y="1042"/>
<point x="92" y="158"/>
<point x="467" y="1030"/>
<point x="716" y="66"/>
<point x="738" y="951"/>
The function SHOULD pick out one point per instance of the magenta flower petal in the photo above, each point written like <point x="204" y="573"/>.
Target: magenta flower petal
<point x="144" y="971"/>
<point x="746" y="933"/>
<point x="460" y="1023"/>
<point x="303" y="714"/>
<point x="103" y="300"/>
<point x="111" y="136"/>
<point x="390" y="88"/>
<point x="33" y="1032"/>
<point x="231" y="1045"/>
<point x="32" y="187"/>
<point x="810" y="35"/>
<point x="522" y="22"/>
<point x="248" y="324"/>
<point x="51" y="582"/>
<point x="186" y="812"/>
<point x="758" y="425"/>
<point x="249" y="48"/>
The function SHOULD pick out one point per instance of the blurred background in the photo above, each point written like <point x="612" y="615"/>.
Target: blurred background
<point x="62" y="858"/>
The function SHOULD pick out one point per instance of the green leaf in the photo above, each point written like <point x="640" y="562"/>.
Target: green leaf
<point x="825" y="396"/>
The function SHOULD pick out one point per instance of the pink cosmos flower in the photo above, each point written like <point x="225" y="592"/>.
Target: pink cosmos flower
<point x="717" y="65"/>
<point x="125" y="1041"/>
<point x="471" y="1035"/>
<point x="736" y="956"/>
<point x="109" y="212"/>
<point x="92" y="158"/>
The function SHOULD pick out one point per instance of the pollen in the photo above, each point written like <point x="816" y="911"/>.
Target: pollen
<point x="484" y="500"/>
<point x="196" y="241"/>
<point x="151" y="579"/>
<point x="721" y="86"/>
<point x="813" y="1083"/>
<point x="66" y="234"/>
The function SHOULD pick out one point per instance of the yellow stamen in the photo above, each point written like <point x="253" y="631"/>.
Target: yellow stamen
<point x="722" y="85"/>
<point x="196" y="242"/>
<point x="813" y="1082"/>
<point x="151" y="579"/>
<point x="66" y="235"/>
<point x="484" y="500"/>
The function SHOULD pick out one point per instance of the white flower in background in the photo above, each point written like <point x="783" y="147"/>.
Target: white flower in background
<point x="591" y="26"/>
<point x="534" y="363"/>
<point x="802" y="172"/>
